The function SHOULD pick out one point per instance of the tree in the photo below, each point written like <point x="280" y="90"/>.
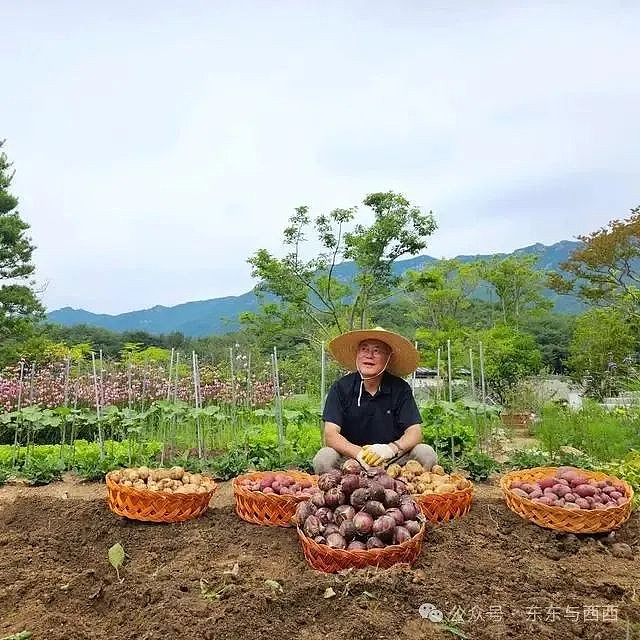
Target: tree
<point x="605" y="270"/>
<point x="601" y="351"/>
<point x="510" y="356"/>
<point x="517" y="284"/>
<point x="19" y="305"/>
<point x="442" y="293"/>
<point x="552" y="333"/>
<point x="310" y="290"/>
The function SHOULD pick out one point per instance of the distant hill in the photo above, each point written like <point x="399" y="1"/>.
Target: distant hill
<point x="219" y="315"/>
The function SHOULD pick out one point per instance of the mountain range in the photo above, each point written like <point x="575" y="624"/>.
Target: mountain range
<point x="220" y="315"/>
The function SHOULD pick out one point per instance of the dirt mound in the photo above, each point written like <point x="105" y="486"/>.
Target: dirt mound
<point x="492" y="575"/>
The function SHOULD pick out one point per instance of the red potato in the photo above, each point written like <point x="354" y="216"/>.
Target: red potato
<point x="306" y="484"/>
<point x="609" y="489"/>
<point x="545" y="500"/>
<point x="275" y="485"/>
<point x="622" y="500"/>
<point x="285" y="491"/>
<point x="616" y="494"/>
<point x="528" y="487"/>
<point x="295" y="487"/>
<point x="582" y="503"/>
<point x="569" y="497"/>
<point x="584" y="490"/>
<point x="571" y="505"/>
<point x="516" y="485"/>
<point x="266" y="481"/>
<point x="559" y="502"/>
<point x="519" y="492"/>
<point x="561" y="490"/>
<point x="547" y="483"/>
<point x="536" y="493"/>
<point x="268" y="490"/>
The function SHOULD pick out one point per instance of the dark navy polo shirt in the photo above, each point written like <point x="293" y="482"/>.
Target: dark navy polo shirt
<point x="380" y="419"/>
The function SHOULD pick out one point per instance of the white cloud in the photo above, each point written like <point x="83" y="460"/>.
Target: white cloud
<point x="157" y="147"/>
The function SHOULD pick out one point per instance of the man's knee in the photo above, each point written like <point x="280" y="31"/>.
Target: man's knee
<point x="425" y="455"/>
<point x="325" y="460"/>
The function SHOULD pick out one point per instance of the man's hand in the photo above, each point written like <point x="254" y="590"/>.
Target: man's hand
<point x="360" y="458"/>
<point x="377" y="454"/>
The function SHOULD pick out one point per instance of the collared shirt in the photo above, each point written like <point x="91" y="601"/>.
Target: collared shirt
<point x="381" y="418"/>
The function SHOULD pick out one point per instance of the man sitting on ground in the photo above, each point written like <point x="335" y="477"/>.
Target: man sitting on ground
<point x="371" y="414"/>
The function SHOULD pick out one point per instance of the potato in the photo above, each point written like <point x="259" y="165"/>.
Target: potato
<point x="413" y="466"/>
<point x="140" y="484"/>
<point x="519" y="492"/>
<point x="201" y="489"/>
<point x="167" y="490"/>
<point x="176" y="473"/>
<point x="186" y="478"/>
<point x="143" y="473"/>
<point x="162" y="474"/>
<point x="132" y="474"/>
<point x="445" y="488"/>
<point x="196" y="479"/>
<point x="437" y="469"/>
<point x="461" y="484"/>
<point x="394" y="470"/>
<point x="547" y="483"/>
<point x="153" y="475"/>
<point x="127" y="483"/>
<point x="114" y="476"/>
<point x="584" y="490"/>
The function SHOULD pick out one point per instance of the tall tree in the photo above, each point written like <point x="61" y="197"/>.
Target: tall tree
<point x="19" y="305"/>
<point x="602" y="350"/>
<point x="605" y="270"/>
<point x="442" y="293"/>
<point x="517" y="284"/>
<point x="310" y="289"/>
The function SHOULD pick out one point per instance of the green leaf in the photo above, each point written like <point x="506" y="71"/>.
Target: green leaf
<point x="116" y="557"/>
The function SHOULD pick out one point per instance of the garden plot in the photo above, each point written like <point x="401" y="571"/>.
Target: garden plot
<point x="492" y="574"/>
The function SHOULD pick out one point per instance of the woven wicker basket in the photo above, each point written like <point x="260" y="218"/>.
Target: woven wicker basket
<point x="154" y="506"/>
<point x="267" y="508"/>
<point x="445" y="506"/>
<point x="558" y="518"/>
<point x="323" y="558"/>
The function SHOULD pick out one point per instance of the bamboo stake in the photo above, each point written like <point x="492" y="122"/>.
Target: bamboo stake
<point x="278" y="404"/>
<point x="438" y="376"/>
<point x="95" y="387"/>
<point x="453" y="454"/>
<point x="170" y="373"/>
<point x="249" y="402"/>
<point x="413" y="375"/>
<point x="101" y="381"/>
<point x="482" y="383"/>
<point x="473" y="384"/>
<point x="195" y="395"/>
<point x="19" y="421"/>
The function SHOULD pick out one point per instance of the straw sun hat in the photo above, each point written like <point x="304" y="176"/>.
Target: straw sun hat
<point x="404" y="356"/>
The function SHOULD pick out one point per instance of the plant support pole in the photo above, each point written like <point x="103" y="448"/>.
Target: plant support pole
<point x="453" y="454"/>
<point x="95" y="387"/>
<point x="473" y="383"/>
<point x="482" y="383"/>
<point x="438" y="376"/>
<point x="278" y="405"/>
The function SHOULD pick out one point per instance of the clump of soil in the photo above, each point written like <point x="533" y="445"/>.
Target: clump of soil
<point x="492" y="574"/>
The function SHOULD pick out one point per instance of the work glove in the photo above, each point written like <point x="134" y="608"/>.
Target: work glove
<point x="361" y="460"/>
<point x="377" y="454"/>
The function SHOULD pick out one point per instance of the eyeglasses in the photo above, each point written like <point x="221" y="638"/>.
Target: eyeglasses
<point x="377" y="352"/>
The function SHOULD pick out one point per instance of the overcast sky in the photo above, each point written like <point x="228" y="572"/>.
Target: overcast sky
<point x="159" y="144"/>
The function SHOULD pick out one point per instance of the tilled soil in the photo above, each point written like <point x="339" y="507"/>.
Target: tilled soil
<point x="492" y="574"/>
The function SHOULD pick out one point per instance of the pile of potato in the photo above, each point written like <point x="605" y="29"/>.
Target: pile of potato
<point x="570" y="488"/>
<point x="174" y="480"/>
<point x="419" y="481"/>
